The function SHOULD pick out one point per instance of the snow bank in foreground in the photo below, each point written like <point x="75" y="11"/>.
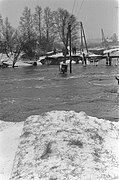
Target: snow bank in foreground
<point x="65" y="145"/>
<point x="9" y="140"/>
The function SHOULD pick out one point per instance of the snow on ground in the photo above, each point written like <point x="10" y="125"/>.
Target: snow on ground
<point x="111" y="50"/>
<point x="9" y="140"/>
<point x="21" y="63"/>
<point x="57" y="55"/>
<point x="4" y="58"/>
<point x="68" y="61"/>
<point x="65" y="145"/>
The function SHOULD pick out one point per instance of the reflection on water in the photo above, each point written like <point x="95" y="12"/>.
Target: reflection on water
<point x="26" y="91"/>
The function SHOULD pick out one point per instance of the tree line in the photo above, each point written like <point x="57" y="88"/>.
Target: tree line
<point x="37" y="32"/>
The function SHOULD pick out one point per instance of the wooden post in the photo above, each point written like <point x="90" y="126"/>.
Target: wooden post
<point x="66" y="45"/>
<point x="81" y="47"/>
<point x="84" y="37"/>
<point x="69" y="27"/>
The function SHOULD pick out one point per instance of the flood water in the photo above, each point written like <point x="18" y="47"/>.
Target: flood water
<point x="26" y="91"/>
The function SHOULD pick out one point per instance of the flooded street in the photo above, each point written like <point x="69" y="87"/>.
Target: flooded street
<point x="26" y="91"/>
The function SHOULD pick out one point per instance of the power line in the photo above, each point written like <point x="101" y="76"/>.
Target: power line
<point x="77" y="5"/>
<point x="80" y="7"/>
<point x="73" y="6"/>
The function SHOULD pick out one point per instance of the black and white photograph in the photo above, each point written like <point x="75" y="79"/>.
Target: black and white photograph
<point x="59" y="89"/>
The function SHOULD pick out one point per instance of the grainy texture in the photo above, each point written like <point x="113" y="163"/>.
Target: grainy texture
<point x="65" y="145"/>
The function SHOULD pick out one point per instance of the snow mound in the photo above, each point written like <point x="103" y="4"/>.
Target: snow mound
<point x="65" y="145"/>
<point x="9" y="140"/>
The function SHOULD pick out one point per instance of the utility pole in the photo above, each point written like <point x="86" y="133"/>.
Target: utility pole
<point x="83" y="42"/>
<point x="104" y="42"/>
<point x="69" y="30"/>
<point x="66" y="45"/>
<point x="81" y="46"/>
<point x="83" y="38"/>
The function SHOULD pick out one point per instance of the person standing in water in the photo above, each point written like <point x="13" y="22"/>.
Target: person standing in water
<point x="117" y="78"/>
<point x="84" y="60"/>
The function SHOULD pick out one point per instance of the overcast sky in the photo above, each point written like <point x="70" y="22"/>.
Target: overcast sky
<point x="95" y="14"/>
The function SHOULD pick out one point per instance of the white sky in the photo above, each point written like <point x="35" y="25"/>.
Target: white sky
<point x="95" y="14"/>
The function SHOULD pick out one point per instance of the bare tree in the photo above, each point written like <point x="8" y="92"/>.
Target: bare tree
<point x="62" y="19"/>
<point x="74" y="29"/>
<point x="38" y="26"/>
<point x="17" y="46"/>
<point x="10" y="40"/>
<point x="114" y="38"/>
<point x="1" y="34"/>
<point x="26" y="24"/>
<point x="37" y="20"/>
<point x="1" y="26"/>
<point x="49" y="28"/>
<point x="27" y="32"/>
<point x="8" y="35"/>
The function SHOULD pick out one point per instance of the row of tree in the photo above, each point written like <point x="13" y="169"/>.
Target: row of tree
<point x="38" y="32"/>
